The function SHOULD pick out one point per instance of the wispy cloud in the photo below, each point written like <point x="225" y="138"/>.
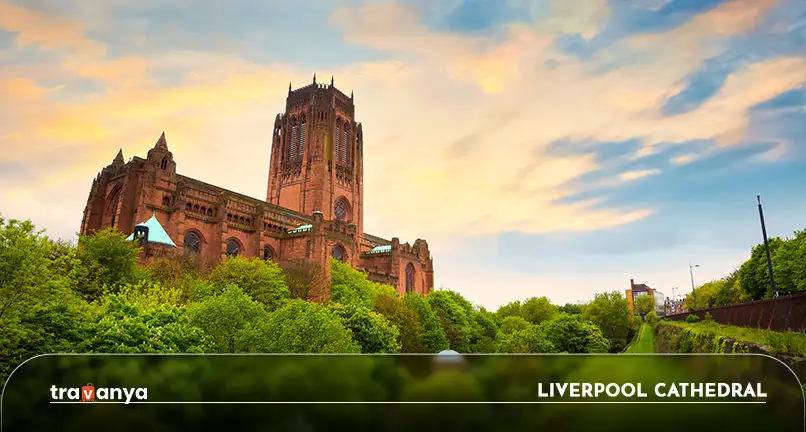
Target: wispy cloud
<point x="684" y="158"/>
<point x="46" y="31"/>
<point x="460" y="126"/>
<point x="635" y="175"/>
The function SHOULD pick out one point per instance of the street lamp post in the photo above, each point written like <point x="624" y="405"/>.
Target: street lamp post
<point x="766" y="247"/>
<point x="693" y="294"/>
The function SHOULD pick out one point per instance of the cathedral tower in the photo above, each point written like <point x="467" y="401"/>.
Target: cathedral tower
<point x="317" y="155"/>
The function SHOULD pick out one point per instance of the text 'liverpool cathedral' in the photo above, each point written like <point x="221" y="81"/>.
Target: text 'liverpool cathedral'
<point x="314" y="206"/>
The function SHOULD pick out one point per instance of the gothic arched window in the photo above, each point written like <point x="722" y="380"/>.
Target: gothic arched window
<point x="339" y="253"/>
<point x="409" y="278"/>
<point x="293" y="150"/>
<point x="209" y="212"/>
<point x="302" y="138"/>
<point x="164" y="163"/>
<point x="337" y="148"/>
<point x="192" y="242"/>
<point x="340" y="209"/>
<point x="267" y="253"/>
<point x="233" y="249"/>
<point x="344" y="144"/>
<point x="166" y="201"/>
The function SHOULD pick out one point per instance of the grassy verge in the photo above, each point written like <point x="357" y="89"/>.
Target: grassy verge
<point x="645" y="343"/>
<point x="787" y="343"/>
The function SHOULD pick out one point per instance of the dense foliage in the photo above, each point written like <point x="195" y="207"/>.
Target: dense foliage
<point x="751" y="281"/>
<point x="93" y="296"/>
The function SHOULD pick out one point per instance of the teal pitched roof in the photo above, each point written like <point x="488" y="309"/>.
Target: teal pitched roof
<point x="156" y="233"/>
<point x="301" y="228"/>
<point x="381" y="249"/>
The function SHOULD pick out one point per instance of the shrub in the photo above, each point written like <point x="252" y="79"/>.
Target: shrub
<point x="434" y="337"/>
<point x="692" y="318"/>
<point x="263" y="281"/>
<point x="303" y="327"/>
<point x="572" y="334"/>
<point x="372" y="331"/>
<point x="652" y="318"/>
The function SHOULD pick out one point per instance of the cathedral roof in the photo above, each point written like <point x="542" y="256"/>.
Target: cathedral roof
<point x="381" y="249"/>
<point x="119" y="158"/>
<point x="301" y="228"/>
<point x="162" y="142"/>
<point x="156" y="233"/>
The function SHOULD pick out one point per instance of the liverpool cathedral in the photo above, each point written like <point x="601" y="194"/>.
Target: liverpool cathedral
<point x="314" y="206"/>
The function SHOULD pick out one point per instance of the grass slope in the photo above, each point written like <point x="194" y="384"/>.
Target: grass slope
<point x="645" y="342"/>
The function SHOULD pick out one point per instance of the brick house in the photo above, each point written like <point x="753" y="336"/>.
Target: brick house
<point x="637" y="290"/>
<point x="313" y="210"/>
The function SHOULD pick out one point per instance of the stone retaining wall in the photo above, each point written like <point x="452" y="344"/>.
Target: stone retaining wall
<point x="671" y="338"/>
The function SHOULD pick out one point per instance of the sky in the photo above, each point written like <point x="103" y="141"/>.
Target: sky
<point x="551" y="148"/>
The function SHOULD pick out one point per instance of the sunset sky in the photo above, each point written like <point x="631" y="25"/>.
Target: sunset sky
<point x="542" y="147"/>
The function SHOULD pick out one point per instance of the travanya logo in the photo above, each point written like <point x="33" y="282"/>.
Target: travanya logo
<point x="88" y="393"/>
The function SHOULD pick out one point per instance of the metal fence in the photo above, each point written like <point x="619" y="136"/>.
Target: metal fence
<point x="785" y="313"/>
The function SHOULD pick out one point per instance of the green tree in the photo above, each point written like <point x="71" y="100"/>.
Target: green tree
<point x="644" y="304"/>
<point x="150" y="294"/>
<point x="513" y="323"/>
<point x="103" y="261"/>
<point x="652" y="318"/>
<point x="571" y="309"/>
<point x="25" y="259"/>
<point x="611" y="313"/>
<point x="262" y="280"/>
<point x="517" y="336"/>
<point x="303" y="327"/>
<point x="572" y="334"/>
<point x="538" y="309"/>
<point x="788" y="264"/>
<point x="306" y="280"/>
<point x="122" y="327"/>
<point x="180" y="271"/>
<point x="371" y="330"/>
<point x="406" y="319"/>
<point x="509" y="309"/>
<point x="485" y="329"/>
<point x="228" y="319"/>
<point x="736" y="293"/>
<point x="456" y="317"/>
<point x="55" y="324"/>
<point x="709" y="294"/>
<point x="753" y="272"/>
<point x="434" y="338"/>
<point x="350" y="286"/>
